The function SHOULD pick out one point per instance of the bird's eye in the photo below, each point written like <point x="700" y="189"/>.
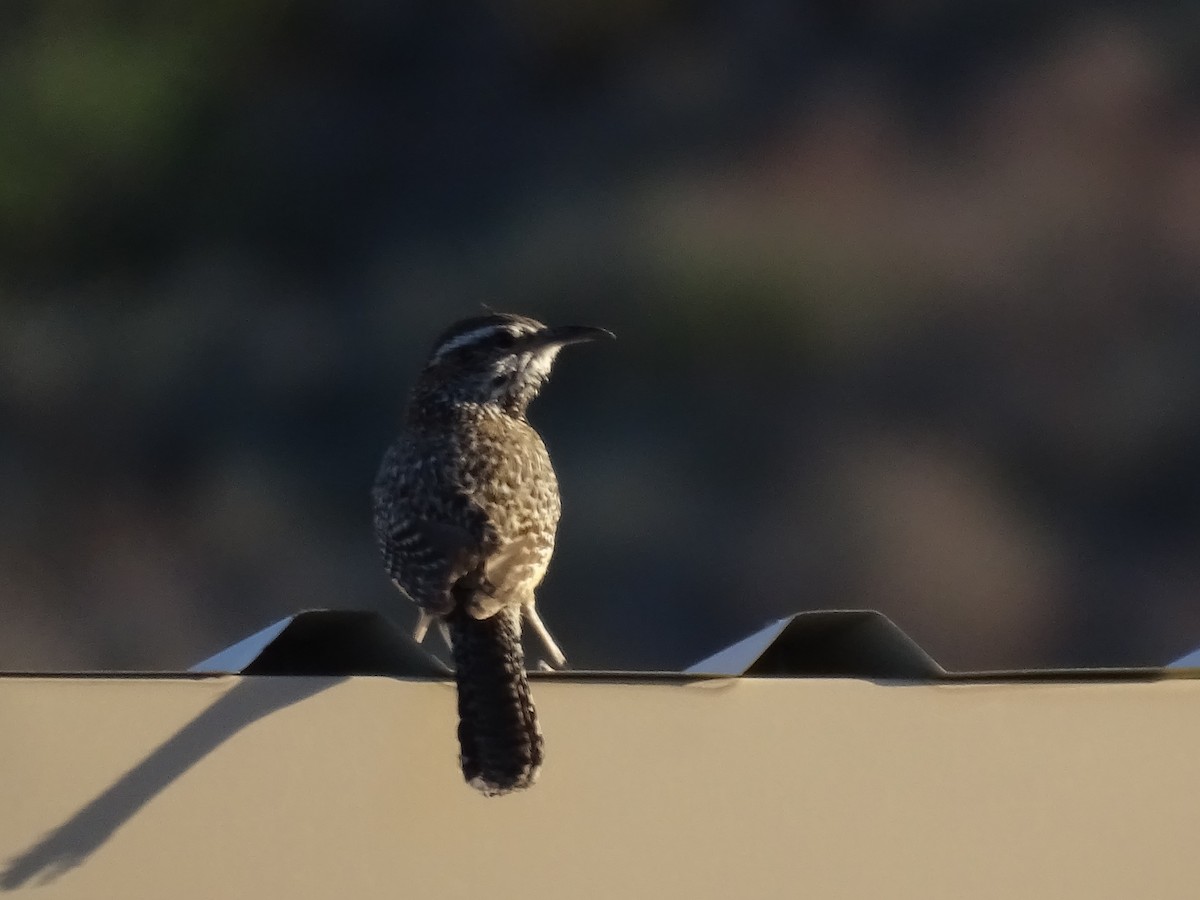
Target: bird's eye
<point x="499" y="380"/>
<point x="505" y="339"/>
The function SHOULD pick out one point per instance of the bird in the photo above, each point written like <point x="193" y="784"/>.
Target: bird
<point x="466" y="507"/>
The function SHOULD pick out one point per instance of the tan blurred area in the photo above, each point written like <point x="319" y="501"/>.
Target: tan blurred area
<point x="906" y="297"/>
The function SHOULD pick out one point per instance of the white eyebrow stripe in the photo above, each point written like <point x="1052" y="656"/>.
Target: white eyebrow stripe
<point x="471" y="337"/>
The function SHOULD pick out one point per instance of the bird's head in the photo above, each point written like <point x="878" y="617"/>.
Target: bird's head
<point x="500" y="359"/>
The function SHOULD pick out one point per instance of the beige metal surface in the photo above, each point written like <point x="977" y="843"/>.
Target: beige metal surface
<point x="319" y="788"/>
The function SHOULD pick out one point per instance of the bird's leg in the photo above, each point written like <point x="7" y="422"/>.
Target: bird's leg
<point x="422" y="626"/>
<point x="557" y="658"/>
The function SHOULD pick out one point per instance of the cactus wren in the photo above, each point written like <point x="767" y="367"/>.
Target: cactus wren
<point x="466" y="508"/>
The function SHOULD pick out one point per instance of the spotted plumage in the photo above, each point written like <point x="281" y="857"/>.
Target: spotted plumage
<point x="466" y="510"/>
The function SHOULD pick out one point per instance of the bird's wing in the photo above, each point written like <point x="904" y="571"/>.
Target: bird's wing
<point x="453" y="558"/>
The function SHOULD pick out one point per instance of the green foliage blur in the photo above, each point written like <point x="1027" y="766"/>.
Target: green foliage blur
<point x="906" y="296"/>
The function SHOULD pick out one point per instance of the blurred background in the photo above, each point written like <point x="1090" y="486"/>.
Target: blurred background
<point x="906" y="294"/>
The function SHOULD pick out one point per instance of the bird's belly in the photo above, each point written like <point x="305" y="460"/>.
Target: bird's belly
<point x="518" y="568"/>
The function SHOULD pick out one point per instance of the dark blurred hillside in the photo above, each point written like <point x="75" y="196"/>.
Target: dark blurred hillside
<point x="906" y="296"/>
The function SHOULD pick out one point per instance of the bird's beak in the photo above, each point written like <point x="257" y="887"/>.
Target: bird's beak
<point x="562" y="335"/>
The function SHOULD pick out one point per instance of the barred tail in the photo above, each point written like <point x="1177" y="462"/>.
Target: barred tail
<point x="498" y="732"/>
